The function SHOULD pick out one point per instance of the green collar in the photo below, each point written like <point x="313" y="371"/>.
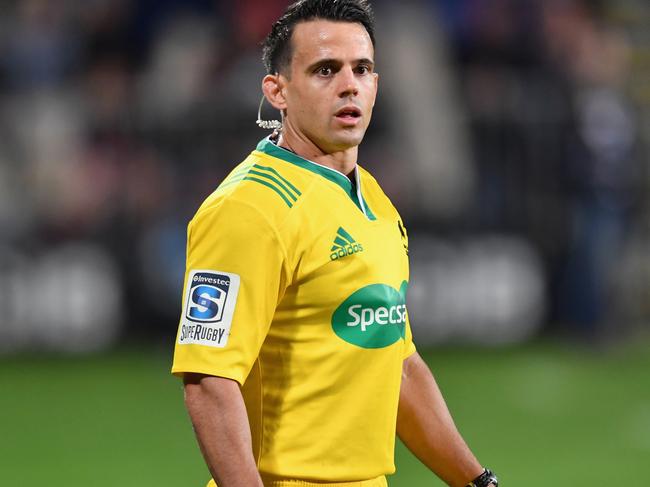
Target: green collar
<point x="267" y="147"/>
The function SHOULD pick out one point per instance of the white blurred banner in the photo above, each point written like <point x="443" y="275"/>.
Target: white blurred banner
<point x="65" y="299"/>
<point x="487" y="290"/>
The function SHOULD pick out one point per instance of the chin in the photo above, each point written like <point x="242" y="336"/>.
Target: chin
<point x="347" y="141"/>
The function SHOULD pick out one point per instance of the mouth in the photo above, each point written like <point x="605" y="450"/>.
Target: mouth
<point x="348" y="114"/>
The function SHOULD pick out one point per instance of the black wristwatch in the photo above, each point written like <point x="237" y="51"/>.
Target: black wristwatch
<point x="485" y="479"/>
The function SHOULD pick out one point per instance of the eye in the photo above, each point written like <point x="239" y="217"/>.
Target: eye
<point x="325" y="71"/>
<point x="363" y="69"/>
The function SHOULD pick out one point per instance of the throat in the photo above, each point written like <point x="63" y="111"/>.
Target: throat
<point x="339" y="161"/>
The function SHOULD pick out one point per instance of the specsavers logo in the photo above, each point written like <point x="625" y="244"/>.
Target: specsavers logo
<point x="372" y="317"/>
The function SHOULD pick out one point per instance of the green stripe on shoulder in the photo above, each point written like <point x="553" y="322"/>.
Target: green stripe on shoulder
<point x="275" y="181"/>
<point x="270" y="185"/>
<point x="235" y="176"/>
<point x="230" y="181"/>
<point x="287" y="182"/>
<point x="266" y="176"/>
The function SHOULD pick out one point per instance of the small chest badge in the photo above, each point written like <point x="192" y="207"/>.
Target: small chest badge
<point x="344" y="245"/>
<point x="405" y="238"/>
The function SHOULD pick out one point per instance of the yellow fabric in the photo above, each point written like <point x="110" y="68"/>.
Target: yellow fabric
<point x="319" y="329"/>
<point x="271" y="482"/>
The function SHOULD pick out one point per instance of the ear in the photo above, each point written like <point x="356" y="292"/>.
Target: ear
<point x="376" y="77"/>
<point x="273" y="89"/>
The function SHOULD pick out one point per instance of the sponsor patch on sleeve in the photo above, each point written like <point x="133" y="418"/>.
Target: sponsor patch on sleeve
<point x="209" y="307"/>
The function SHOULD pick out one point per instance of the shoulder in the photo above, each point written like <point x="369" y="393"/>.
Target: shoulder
<point x="377" y="198"/>
<point x="261" y="188"/>
<point x="368" y="180"/>
<point x="366" y="174"/>
<point x="370" y="184"/>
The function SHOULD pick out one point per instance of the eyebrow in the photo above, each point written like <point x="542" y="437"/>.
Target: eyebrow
<point x="338" y="63"/>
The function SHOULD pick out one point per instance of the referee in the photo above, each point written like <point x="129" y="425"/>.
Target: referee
<point x="294" y="342"/>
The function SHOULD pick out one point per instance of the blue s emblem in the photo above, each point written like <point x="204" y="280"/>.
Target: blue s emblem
<point x="207" y="296"/>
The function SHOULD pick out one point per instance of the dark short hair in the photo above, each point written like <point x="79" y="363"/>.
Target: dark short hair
<point x="277" y="52"/>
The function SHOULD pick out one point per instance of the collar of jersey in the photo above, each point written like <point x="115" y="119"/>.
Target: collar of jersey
<point x="266" y="146"/>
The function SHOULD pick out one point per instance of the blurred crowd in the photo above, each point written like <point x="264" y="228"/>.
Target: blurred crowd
<point x="514" y="120"/>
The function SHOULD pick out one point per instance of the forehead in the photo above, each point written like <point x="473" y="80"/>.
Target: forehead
<point x="324" y="39"/>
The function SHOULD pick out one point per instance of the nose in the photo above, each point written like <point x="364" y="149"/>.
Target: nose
<point x="348" y="83"/>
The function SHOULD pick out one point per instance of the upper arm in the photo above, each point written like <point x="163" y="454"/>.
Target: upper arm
<point x="235" y="276"/>
<point x="201" y="387"/>
<point x="413" y="368"/>
<point x="413" y="360"/>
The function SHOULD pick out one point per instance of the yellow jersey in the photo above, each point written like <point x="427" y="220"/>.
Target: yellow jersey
<point x="296" y="288"/>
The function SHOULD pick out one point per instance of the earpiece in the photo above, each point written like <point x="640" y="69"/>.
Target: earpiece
<point x="269" y="124"/>
<point x="266" y="124"/>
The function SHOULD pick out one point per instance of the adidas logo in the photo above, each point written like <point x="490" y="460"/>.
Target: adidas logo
<point x="344" y="244"/>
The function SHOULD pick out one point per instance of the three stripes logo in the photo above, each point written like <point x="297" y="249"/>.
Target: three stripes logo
<point x="269" y="177"/>
<point x="344" y="245"/>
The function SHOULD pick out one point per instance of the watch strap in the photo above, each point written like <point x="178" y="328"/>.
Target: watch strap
<point x="485" y="479"/>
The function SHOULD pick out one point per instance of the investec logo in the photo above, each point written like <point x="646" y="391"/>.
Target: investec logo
<point x="372" y="317"/>
<point x="344" y="245"/>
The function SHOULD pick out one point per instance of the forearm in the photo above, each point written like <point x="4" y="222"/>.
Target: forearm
<point x="428" y="430"/>
<point x="218" y="414"/>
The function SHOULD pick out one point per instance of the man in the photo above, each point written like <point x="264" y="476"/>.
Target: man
<point x="294" y="342"/>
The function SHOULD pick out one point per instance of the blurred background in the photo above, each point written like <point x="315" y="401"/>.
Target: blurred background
<point x="512" y="136"/>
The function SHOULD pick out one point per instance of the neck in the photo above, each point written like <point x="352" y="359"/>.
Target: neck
<point x="344" y="161"/>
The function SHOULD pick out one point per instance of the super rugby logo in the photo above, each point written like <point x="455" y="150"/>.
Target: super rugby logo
<point x="372" y="317"/>
<point x="209" y="307"/>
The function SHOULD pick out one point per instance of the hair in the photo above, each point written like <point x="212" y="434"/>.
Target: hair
<point x="277" y="49"/>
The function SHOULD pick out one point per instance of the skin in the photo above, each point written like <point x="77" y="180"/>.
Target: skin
<point x="332" y="67"/>
<point x="224" y="438"/>
<point x="426" y="427"/>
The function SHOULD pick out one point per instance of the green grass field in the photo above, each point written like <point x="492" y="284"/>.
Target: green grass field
<point x="539" y="415"/>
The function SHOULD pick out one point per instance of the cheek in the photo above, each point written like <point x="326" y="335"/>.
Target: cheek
<point x="306" y="105"/>
<point x="313" y="110"/>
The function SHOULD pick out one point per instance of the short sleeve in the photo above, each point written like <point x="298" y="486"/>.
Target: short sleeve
<point x="234" y="279"/>
<point x="409" y="346"/>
